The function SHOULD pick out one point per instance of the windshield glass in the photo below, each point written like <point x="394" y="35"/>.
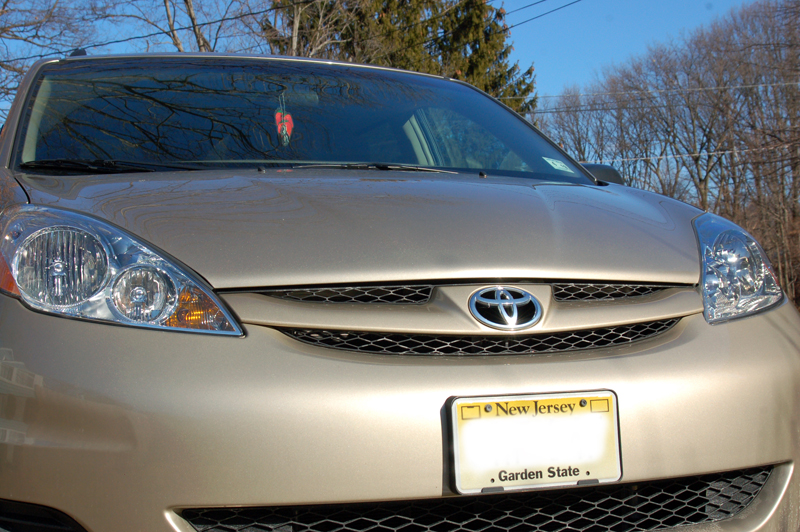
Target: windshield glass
<point x="231" y="112"/>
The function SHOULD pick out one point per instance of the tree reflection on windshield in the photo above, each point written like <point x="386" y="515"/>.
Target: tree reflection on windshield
<point x="232" y="112"/>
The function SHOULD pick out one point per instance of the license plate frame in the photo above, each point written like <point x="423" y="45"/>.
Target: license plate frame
<point x="513" y="449"/>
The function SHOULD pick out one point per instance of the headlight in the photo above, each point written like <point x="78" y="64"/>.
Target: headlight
<point x="73" y="265"/>
<point x="737" y="277"/>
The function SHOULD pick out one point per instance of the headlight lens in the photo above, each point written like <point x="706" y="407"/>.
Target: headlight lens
<point x="143" y="294"/>
<point x="737" y="277"/>
<point x="74" y="265"/>
<point x="60" y="266"/>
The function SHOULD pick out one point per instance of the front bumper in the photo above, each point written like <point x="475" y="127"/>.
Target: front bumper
<point x="120" y="428"/>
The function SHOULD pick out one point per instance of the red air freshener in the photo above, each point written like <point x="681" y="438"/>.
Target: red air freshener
<point x="285" y="126"/>
<point x="284" y="122"/>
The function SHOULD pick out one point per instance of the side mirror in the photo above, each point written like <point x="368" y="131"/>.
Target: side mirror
<point x="604" y="172"/>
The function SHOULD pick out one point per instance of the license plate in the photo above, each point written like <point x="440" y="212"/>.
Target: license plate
<point x="534" y="441"/>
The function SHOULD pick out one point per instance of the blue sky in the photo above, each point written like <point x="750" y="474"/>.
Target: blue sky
<point x="571" y="46"/>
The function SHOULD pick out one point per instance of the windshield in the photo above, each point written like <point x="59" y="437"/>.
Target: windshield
<point x="222" y="112"/>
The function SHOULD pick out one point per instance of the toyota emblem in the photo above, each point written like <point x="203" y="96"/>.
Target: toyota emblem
<point x="505" y="308"/>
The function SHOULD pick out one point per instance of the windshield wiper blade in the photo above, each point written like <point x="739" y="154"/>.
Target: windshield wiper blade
<point x="376" y="166"/>
<point x="100" y="166"/>
<point x="80" y="165"/>
<point x="412" y="168"/>
<point x="119" y="163"/>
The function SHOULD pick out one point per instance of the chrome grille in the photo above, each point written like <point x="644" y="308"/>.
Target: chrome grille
<point x="419" y="344"/>
<point x="603" y="291"/>
<point x="637" y="507"/>
<point x="398" y="295"/>
<point x="415" y="294"/>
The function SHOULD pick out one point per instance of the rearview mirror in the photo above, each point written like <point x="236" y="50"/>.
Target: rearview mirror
<point x="604" y="172"/>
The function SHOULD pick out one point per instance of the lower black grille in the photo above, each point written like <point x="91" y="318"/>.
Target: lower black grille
<point x="420" y="344"/>
<point x="618" y="508"/>
<point x="23" y="517"/>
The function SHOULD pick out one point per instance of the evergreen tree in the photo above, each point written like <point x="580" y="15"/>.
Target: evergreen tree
<point x="391" y="33"/>
<point x="463" y="39"/>
<point x="472" y="45"/>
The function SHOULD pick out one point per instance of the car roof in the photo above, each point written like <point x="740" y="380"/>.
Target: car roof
<point x="226" y="55"/>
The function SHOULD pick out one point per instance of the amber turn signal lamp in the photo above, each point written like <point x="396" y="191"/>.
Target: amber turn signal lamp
<point x="7" y="282"/>
<point x="195" y="310"/>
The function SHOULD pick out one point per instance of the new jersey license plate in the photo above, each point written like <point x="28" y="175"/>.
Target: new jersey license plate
<point x="533" y="441"/>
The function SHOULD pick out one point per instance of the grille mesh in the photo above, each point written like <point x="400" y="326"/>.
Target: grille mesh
<point x="618" y="508"/>
<point x="602" y="291"/>
<point x="417" y="344"/>
<point x="398" y="295"/>
<point x="412" y="294"/>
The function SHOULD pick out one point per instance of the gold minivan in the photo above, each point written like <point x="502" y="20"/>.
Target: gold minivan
<point x="248" y="294"/>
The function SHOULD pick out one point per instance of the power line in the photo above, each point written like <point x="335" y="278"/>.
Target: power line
<point x="462" y="1"/>
<point x="564" y="110"/>
<point x="415" y="24"/>
<point x="165" y="32"/>
<point x="682" y="155"/>
<point x="372" y="38"/>
<point x="503" y="30"/>
<point x="262" y="12"/>
<point x="601" y="109"/>
<point x="525" y="7"/>
<point x="658" y="91"/>
<point x="540" y="16"/>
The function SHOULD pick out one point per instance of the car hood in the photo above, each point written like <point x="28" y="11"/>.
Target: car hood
<point x="296" y="227"/>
